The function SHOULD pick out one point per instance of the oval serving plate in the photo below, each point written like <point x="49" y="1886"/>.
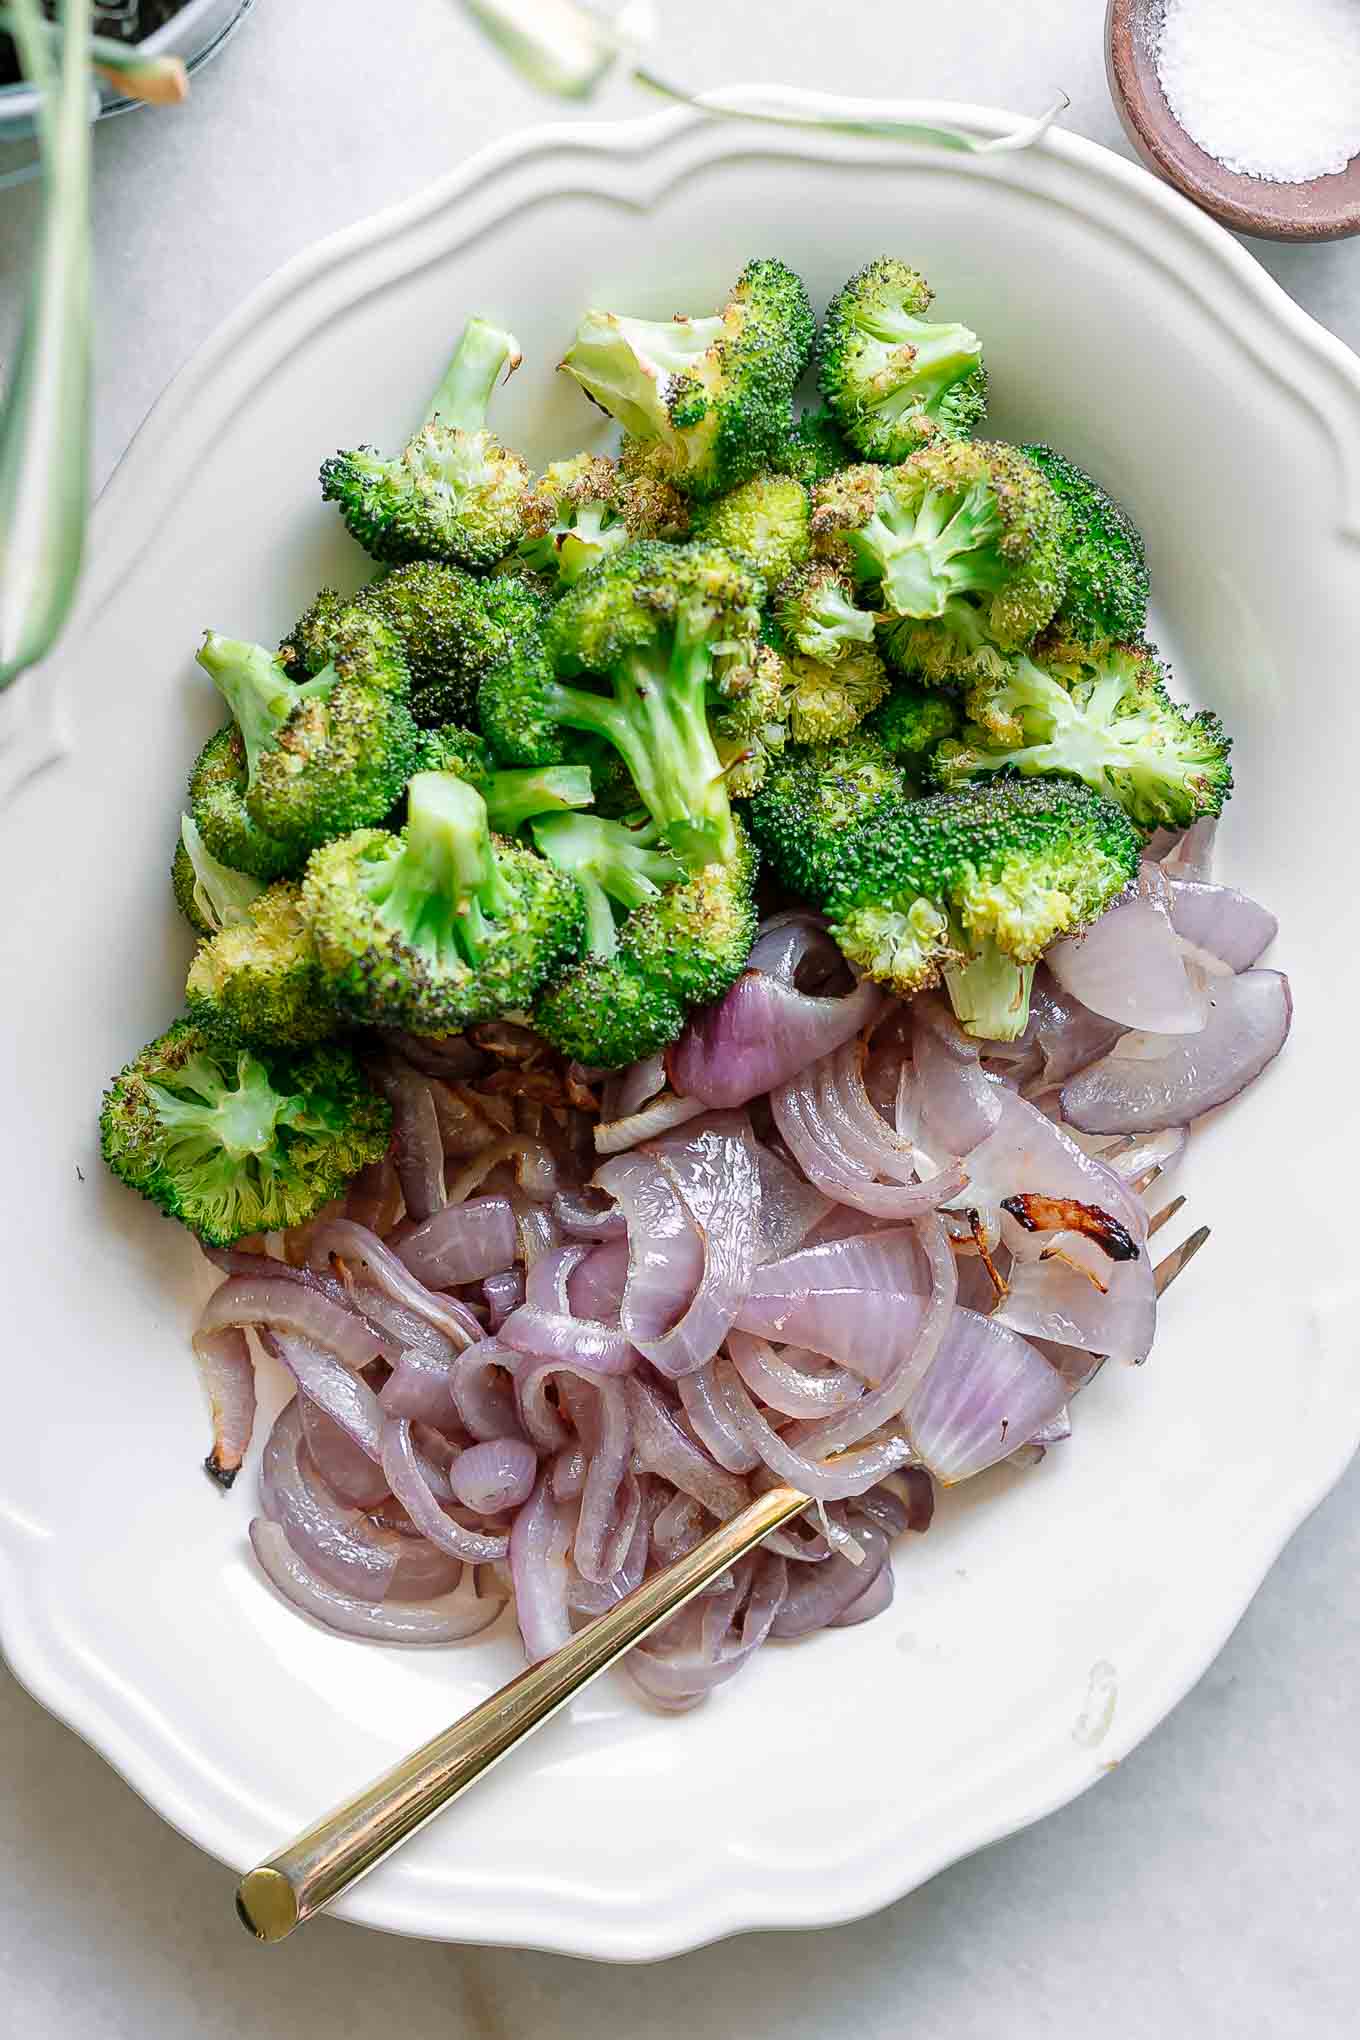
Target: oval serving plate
<point x="1053" y="1616"/>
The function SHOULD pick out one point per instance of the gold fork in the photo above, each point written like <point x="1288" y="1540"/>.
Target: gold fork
<point x="345" y="1844"/>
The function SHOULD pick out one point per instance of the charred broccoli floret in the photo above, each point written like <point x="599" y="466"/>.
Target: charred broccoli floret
<point x="1107" y="577"/>
<point x="959" y="549"/>
<point x="638" y="637"/>
<point x="765" y="522"/>
<point x="256" y="983"/>
<point x="454" y="492"/>
<point x="442" y="925"/>
<point x="825" y="702"/>
<point x="1105" y="718"/>
<point x="749" y="713"/>
<point x="208" y="893"/>
<point x="912" y="723"/>
<point x="583" y="509"/>
<point x="323" y="755"/>
<point x="217" y="807"/>
<point x="894" y="379"/>
<point x="231" y="1143"/>
<point x="815" y="449"/>
<point x="811" y="797"/>
<point x="816" y="610"/>
<point x="972" y="886"/>
<point x="711" y="397"/>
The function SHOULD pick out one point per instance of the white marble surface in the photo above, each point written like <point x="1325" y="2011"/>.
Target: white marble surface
<point x="1208" y="1886"/>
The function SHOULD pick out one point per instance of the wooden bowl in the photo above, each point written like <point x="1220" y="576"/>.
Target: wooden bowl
<point x="1324" y="209"/>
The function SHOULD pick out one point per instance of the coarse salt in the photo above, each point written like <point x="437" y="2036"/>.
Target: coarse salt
<point x="1269" y="87"/>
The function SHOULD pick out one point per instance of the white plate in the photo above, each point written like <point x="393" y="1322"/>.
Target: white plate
<point x="1052" y="1617"/>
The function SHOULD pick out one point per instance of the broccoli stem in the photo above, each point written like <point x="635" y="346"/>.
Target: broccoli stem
<point x="463" y="397"/>
<point x="440" y="891"/>
<point x="512" y="797"/>
<point x="256" y="689"/>
<point x="943" y="551"/>
<point x="238" y="1122"/>
<point x="610" y="862"/>
<point x="990" y="994"/>
<point x="941" y="356"/>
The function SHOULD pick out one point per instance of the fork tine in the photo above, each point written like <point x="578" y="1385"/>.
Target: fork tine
<point x="1166" y="1271"/>
<point x="1160" y="1218"/>
<point x="1119" y="1147"/>
<point x="1147" y="1177"/>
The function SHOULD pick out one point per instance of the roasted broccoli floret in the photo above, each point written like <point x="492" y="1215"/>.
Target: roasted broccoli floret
<point x="825" y="702"/>
<point x="310" y="645"/>
<point x="816" y="610"/>
<point x="511" y="797"/>
<point x="585" y="508"/>
<point x="1107" y="576"/>
<point x="749" y="713"/>
<point x="1102" y="717"/>
<point x="324" y="755"/>
<point x="894" y="379"/>
<point x="442" y="925"/>
<point x="811" y="797"/>
<point x="711" y="397"/>
<point x="972" y="886"/>
<point x="959" y="548"/>
<point x="454" y="492"/>
<point x="231" y="1143"/>
<point x="912" y="723"/>
<point x="639" y="637"/>
<point x="765" y="522"/>
<point x="217" y="807"/>
<point x="677" y="938"/>
<point x="256" y="983"/>
<point x="209" y="894"/>
<point x="815" y="449"/>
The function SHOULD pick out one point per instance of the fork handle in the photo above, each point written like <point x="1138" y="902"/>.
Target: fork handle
<point x="343" y="1846"/>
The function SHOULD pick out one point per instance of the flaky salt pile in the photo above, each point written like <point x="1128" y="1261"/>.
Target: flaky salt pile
<point x="1269" y="87"/>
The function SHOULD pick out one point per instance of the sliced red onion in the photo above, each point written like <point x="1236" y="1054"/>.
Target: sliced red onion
<point x="420" y="1386"/>
<point x="610" y="1498"/>
<point x="347" y="1470"/>
<point x="557" y="1336"/>
<point x="535" y="1226"/>
<point x="663" y="1115"/>
<point x="296" y="1307"/>
<point x="800" y="1114"/>
<point x="794" y="1383"/>
<point x="679" y="1678"/>
<point x="593" y="1597"/>
<point x="714" y="1424"/>
<point x="374" y="1199"/>
<point x="679" y="1526"/>
<point x="819" y="1594"/>
<point x="761" y="1035"/>
<point x="826" y="1480"/>
<point x="1052" y="1300"/>
<point x="449" y="1056"/>
<point x="988" y="1392"/>
<point x="871" y="1331"/>
<point x="582" y="1218"/>
<point x="417" y="1150"/>
<point x="789" y="1207"/>
<point x="705" y="1187"/>
<point x="409" y="1482"/>
<point x="639" y="1082"/>
<point x="344" y="1396"/>
<point x="503" y="1293"/>
<point x="372" y="1258"/>
<point x="462" y="1243"/>
<point x="959" y="1104"/>
<point x="569" y="1473"/>
<point x="336" y="1541"/>
<point x="228" y="1376"/>
<point x="496" y="1475"/>
<point x="539" y="1543"/>
<point x="1129" y="967"/>
<point x="535" y="1166"/>
<point x="1133" y="1091"/>
<point x="1191" y="855"/>
<point x="448" y="1619"/>
<point x="484" y="1392"/>
<point x="595" y="1289"/>
<point x="661" y="1447"/>
<point x="796" y="944"/>
<point x="876" y="1599"/>
<point x="1222" y="922"/>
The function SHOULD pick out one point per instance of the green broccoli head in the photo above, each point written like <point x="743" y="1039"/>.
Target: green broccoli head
<point x="826" y="702"/>
<point x="894" y="379"/>
<point x="913" y="722"/>
<point x="1105" y="718"/>
<point x="454" y="492"/>
<point x="232" y="1143"/>
<point x="310" y="644"/>
<point x="324" y="755"/>
<point x="217" y="808"/>
<point x="765" y="522"/>
<point x="208" y="893"/>
<point x="606" y="1014"/>
<point x="256" y="983"/>
<point x="443" y="925"/>
<point x="812" y="799"/>
<point x="960" y="548"/>
<point x="640" y="636"/>
<point x="712" y="396"/>
<point x="583" y="509"/>
<point x="814" y="450"/>
<point x="973" y="885"/>
<point x="1107" y="577"/>
<point x="749" y="714"/>
<point x="816" y="610"/>
<point x="696" y="936"/>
